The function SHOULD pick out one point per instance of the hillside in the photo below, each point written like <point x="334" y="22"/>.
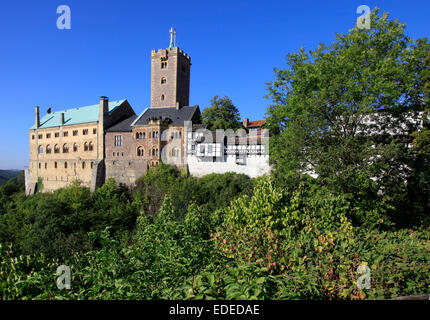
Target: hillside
<point x="6" y="175"/>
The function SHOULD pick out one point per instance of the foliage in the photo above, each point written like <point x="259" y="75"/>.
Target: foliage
<point x="222" y="114"/>
<point x="346" y="112"/>
<point x="57" y="224"/>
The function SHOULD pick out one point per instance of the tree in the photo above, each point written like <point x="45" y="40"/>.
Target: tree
<point x="222" y="114"/>
<point x="336" y="108"/>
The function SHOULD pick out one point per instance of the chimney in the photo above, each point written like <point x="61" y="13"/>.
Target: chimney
<point x="104" y="106"/>
<point x="245" y="122"/>
<point x="37" y="124"/>
<point x="62" y="118"/>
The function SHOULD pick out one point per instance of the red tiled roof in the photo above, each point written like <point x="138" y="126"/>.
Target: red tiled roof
<point x="256" y="123"/>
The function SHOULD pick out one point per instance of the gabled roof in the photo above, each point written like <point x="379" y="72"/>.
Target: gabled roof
<point x="177" y="116"/>
<point x="75" y="116"/>
<point x="255" y="124"/>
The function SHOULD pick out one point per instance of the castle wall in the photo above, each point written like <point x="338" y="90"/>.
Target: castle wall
<point x="57" y="169"/>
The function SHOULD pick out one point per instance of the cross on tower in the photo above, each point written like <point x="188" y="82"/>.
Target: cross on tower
<point x="172" y="37"/>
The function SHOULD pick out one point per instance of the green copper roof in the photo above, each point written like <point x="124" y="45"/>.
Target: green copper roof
<point x="76" y="115"/>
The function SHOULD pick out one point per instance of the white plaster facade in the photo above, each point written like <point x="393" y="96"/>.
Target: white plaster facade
<point x="247" y="156"/>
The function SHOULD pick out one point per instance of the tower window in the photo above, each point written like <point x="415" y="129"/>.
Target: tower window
<point x="163" y="80"/>
<point x="162" y="97"/>
<point x="163" y="65"/>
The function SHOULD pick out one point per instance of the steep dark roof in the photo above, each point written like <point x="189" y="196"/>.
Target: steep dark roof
<point x="123" y="126"/>
<point x="178" y="116"/>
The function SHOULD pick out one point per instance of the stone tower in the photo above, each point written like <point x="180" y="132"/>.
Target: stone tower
<point x="170" y="78"/>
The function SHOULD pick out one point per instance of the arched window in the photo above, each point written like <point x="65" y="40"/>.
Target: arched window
<point x="40" y="165"/>
<point x="65" y="165"/>
<point x="154" y="151"/>
<point x="83" y="165"/>
<point x="137" y="135"/>
<point x="48" y="149"/>
<point x="75" y="147"/>
<point x="86" y="146"/>
<point x="55" y="165"/>
<point x="92" y="164"/>
<point x="162" y="97"/>
<point x="46" y="165"/>
<point x="140" y="152"/>
<point x="90" y="146"/>
<point x="163" y="65"/>
<point x="40" y="149"/>
<point x="163" y="80"/>
<point x="65" y="148"/>
<point x="56" y="149"/>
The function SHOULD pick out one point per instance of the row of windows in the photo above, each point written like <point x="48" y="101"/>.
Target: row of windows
<point x="88" y="146"/>
<point x="65" y="165"/>
<point x="142" y="135"/>
<point x="65" y="134"/>
<point x="164" y="66"/>
<point x="140" y="152"/>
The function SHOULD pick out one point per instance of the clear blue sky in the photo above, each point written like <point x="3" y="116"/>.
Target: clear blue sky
<point x="234" y="46"/>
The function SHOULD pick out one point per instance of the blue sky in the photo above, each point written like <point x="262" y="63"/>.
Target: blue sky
<point x="234" y="46"/>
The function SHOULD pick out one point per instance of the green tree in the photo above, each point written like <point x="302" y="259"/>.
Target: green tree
<point x="222" y="114"/>
<point x="329" y="103"/>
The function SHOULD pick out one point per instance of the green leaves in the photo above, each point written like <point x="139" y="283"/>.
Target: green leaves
<point x="222" y="114"/>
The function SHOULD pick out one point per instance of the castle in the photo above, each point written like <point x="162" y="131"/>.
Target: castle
<point x="109" y="140"/>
